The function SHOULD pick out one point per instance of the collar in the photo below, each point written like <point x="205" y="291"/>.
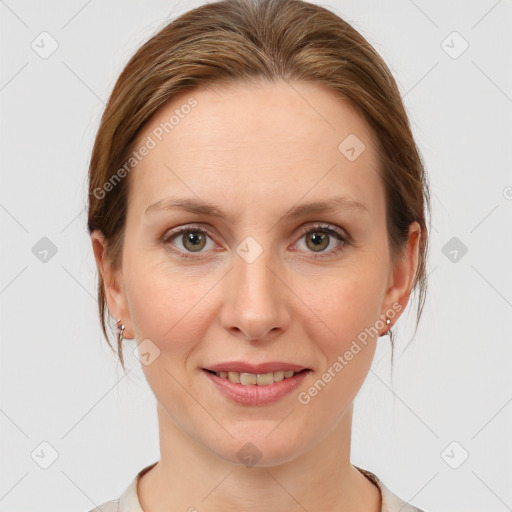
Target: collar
<point x="129" y="500"/>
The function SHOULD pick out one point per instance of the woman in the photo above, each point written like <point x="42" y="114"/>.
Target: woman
<point x="258" y="218"/>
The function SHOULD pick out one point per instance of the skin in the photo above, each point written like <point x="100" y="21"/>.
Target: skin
<point x="256" y="151"/>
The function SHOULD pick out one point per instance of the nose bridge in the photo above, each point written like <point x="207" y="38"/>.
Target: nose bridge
<point x="255" y="301"/>
<point x="252" y="273"/>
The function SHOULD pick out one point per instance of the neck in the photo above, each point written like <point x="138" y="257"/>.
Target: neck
<point x="189" y="476"/>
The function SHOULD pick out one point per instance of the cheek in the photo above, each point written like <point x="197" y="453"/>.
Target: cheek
<point x="164" y="306"/>
<point x="163" y="303"/>
<point x="344" y="338"/>
<point x="347" y="305"/>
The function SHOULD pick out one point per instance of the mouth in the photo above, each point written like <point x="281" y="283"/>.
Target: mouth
<point x="255" y="389"/>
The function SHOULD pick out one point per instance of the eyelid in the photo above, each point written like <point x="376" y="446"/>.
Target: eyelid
<point x="330" y="228"/>
<point x="173" y="233"/>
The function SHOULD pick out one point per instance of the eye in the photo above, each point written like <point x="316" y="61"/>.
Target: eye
<point x="319" y="237"/>
<point x="192" y="239"/>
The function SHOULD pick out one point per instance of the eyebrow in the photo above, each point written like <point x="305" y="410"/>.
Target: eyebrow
<point x="200" y="207"/>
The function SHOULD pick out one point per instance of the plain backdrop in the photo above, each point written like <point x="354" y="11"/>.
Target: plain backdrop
<point x="437" y="434"/>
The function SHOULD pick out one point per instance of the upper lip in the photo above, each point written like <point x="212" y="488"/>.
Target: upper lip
<point x="242" y="367"/>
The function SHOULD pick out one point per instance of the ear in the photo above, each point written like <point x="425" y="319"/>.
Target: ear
<point x="112" y="281"/>
<point x="402" y="274"/>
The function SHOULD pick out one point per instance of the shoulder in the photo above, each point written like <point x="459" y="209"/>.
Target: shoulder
<point x="390" y="501"/>
<point x="109" y="506"/>
<point x="129" y="500"/>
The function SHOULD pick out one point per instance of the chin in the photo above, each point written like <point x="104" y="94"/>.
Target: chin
<point x="258" y="448"/>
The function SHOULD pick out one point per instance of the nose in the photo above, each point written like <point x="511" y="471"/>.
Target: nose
<point x="255" y="299"/>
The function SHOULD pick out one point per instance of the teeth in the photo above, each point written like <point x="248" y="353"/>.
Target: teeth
<point x="234" y="377"/>
<point x="278" y="376"/>
<point x="260" y="379"/>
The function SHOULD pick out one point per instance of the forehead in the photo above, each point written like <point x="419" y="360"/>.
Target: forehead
<point x="251" y="141"/>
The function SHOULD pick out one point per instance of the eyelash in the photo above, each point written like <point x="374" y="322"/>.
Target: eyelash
<point x="343" y="238"/>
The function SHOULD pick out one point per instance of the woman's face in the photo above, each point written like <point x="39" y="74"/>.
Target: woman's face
<point x="272" y="281"/>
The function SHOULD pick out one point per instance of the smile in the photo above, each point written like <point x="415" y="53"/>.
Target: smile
<point x="256" y="389"/>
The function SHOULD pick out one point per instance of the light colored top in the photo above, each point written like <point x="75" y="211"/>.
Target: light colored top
<point x="129" y="500"/>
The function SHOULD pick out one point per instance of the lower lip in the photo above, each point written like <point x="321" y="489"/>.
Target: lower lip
<point x="253" y="394"/>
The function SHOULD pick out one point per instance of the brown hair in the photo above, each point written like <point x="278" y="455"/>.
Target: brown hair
<point x="242" y="41"/>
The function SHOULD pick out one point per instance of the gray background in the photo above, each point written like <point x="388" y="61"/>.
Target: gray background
<point x="61" y="385"/>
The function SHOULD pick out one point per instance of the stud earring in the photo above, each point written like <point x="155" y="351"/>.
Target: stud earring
<point x="388" y="322"/>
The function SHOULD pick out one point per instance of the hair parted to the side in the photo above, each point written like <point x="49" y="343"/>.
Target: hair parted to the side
<point x="241" y="41"/>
